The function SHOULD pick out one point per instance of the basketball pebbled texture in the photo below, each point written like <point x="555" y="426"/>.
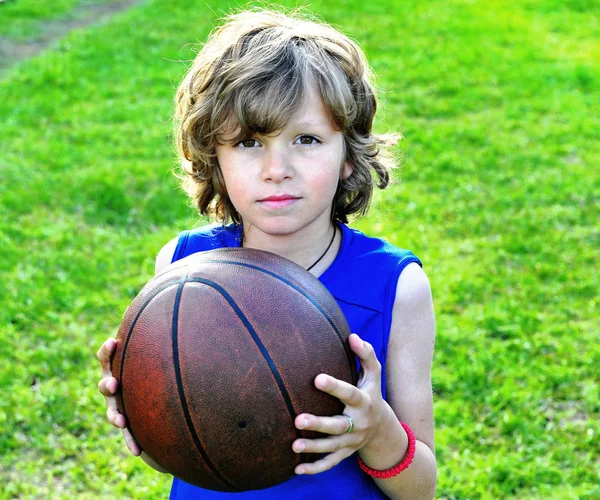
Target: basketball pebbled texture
<point x="216" y="357"/>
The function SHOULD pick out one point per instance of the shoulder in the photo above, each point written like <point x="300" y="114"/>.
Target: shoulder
<point x="412" y="288"/>
<point x="412" y="333"/>
<point x="197" y="240"/>
<point x="165" y="255"/>
<point x="413" y="318"/>
<point x="373" y="258"/>
<point x="366" y="272"/>
<point x="377" y="257"/>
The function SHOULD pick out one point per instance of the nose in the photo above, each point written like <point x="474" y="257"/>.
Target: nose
<point x="277" y="166"/>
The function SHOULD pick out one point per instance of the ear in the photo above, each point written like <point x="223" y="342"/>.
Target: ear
<point x="346" y="171"/>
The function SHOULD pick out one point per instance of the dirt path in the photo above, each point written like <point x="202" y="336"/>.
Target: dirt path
<point x="54" y="30"/>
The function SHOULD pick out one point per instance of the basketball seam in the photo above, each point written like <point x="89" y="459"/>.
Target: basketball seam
<point x="129" y="332"/>
<point x="349" y="353"/>
<point x="181" y="390"/>
<point x="274" y="371"/>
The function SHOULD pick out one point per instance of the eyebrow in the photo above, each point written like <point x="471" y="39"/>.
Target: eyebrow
<point x="309" y="123"/>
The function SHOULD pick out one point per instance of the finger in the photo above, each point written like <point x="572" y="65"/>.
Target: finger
<point x="370" y="367"/>
<point x="105" y="355"/>
<point x="113" y="415"/>
<point x="116" y="418"/>
<point x="365" y="352"/>
<point x="325" y="463"/>
<point x="336" y="425"/>
<point x="131" y="443"/>
<point x="345" y="392"/>
<point x="119" y="421"/>
<point x="324" y="445"/>
<point x="108" y="386"/>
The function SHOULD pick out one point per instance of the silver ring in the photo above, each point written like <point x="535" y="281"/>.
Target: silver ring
<point x="351" y="422"/>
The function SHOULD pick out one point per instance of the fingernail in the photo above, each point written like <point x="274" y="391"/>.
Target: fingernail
<point x="299" y="471"/>
<point x="299" y="447"/>
<point x="302" y="424"/>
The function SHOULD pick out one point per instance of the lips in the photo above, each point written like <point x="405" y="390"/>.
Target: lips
<point x="279" y="197"/>
<point x="278" y="200"/>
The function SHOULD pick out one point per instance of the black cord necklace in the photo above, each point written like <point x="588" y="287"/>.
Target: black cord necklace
<point x="325" y="252"/>
<point x="320" y="258"/>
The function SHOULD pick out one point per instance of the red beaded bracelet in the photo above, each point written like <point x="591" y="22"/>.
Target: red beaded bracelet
<point x="403" y="465"/>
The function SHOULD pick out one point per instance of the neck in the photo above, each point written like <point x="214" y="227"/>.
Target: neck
<point x="315" y="248"/>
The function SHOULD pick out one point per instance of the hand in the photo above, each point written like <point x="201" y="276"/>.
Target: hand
<point x="108" y="386"/>
<point x="364" y="404"/>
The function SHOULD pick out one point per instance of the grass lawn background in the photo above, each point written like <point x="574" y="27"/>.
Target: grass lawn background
<point x="499" y="196"/>
<point x="25" y="20"/>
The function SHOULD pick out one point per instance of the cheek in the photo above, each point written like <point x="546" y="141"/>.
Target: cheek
<point x="226" y="163"/>
<point x="327" y="181"/>
<point x="235" y="190"/>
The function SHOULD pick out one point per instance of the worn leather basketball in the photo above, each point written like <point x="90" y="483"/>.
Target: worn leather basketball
<point x="216" y="357"/>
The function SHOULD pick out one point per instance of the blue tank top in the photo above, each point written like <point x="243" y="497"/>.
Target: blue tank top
<point x="362" y="279"/>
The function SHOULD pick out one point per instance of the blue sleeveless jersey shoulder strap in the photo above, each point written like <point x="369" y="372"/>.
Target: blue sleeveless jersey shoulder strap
<point x="206" y="238"/>
<point x="366" y="271"/>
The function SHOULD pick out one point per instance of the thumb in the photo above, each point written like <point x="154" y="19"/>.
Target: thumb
<point x="366" y="355"/>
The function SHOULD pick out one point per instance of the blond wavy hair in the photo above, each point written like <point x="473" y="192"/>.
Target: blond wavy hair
<point x="252" y="72"/>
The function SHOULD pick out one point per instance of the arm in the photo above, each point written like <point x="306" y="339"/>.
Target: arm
<point x="108" y="385"/>
<point x="408" y="376"/>
<point x="377" y="434"/>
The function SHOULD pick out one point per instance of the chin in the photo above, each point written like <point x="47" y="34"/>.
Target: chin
<point x="276" y="228"/>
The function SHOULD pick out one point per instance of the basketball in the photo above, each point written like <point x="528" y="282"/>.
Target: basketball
<point x="217" y="356"/>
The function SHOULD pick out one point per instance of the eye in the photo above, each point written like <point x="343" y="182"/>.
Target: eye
<point x="247" y="143"/>
<point x="308" y="140"/>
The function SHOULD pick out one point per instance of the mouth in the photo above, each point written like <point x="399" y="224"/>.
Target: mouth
<point x="279" y="201"/>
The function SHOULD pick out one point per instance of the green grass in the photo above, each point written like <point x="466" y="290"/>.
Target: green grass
<point x="499" y="195"/>
<point x="24" y="19"/>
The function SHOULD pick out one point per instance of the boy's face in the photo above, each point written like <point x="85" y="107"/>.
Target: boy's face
<point x="285" y="184"/>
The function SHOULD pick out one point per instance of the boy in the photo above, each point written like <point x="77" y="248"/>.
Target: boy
<point x="274" y="133"/>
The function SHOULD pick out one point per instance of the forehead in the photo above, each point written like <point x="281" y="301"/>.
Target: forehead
<point x="312" y="110"/>
<point x="307" y="111"/>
